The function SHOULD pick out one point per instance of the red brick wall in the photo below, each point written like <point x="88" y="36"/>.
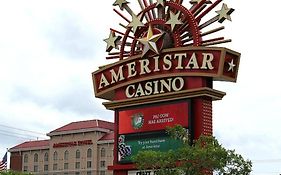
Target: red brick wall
<point x="16" y="161"/>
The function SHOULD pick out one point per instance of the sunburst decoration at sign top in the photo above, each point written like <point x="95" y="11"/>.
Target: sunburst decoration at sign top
<point x="164" y="24"/>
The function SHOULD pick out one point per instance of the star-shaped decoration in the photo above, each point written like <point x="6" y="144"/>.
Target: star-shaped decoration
<point x="198" y="1"/>
<point x="135" y="23"/>
<point x="149" y="41"/>
<point x="111" y="41"/>
<point x="120" y="3"/>
<point x="174" y="20"/>
<point x="231" y="66"/>
<point x="160" y="3"/>
<point x="224" y="13"/>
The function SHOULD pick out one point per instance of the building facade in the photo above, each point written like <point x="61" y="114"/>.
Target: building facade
<point x="84" y="147"/>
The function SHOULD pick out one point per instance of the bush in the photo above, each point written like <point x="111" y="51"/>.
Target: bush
<point x="194" y="158"/>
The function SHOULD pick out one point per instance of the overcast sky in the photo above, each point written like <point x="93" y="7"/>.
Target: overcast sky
<point x="48" y="50"/>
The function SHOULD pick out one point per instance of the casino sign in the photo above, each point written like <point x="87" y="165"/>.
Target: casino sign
<point x="166" y="57"/>
<point x="144" y="76"/>
<point x="161" y="46"/>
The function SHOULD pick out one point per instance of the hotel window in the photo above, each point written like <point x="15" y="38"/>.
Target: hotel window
<point x="102" y="172"/>
<point x="46" y="157"/>
<point x="102" y="163"/>
<point x="46" y="167"/>
<point x="77" y="165"/>
<point x="55" y="166"/>
<point x="77" y="173"/>
<point x="89" y="173"/>
<point x="66" y="153"/>
<point x="111" y="153"/>
<point x="35" y="158"/>
<point x="89" y="153"/>
<point x="89" y="164"/>
<point x="102" y="152"/>
<point x="65" y="166"/>
<point x="77" y="154"/>
<point x="35" y="169"/>
<point x="55" y="156"/>
<point x="25" y="168"/>
<point x="25" y="158"/>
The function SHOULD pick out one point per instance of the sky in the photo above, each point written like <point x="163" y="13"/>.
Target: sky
<point x="48" y="50"/>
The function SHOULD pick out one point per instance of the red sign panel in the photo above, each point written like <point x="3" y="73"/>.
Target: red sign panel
<point x="218" y="63"/>
<point x="153" y="118"/>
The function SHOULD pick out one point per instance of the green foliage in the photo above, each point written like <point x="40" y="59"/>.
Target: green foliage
<point x="13" y="173"/>
<point x="203" y="155"/>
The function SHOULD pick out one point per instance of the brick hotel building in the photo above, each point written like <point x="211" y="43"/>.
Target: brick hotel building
<point x="84" y="147"/>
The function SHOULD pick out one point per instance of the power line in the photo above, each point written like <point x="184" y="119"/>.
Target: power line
<point x="21" y="134"/>
<point x="24" y="138"/>
<point x="22" y="129"/>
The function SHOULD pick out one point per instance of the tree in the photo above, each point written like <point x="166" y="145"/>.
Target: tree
<point x="9" y="172"/>
<point x="197" y="158"/>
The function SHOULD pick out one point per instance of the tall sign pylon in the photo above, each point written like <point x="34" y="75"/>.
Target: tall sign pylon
<point x="166" y="62"/>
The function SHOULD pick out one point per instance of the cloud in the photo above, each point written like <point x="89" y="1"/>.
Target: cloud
<point x="43" y="118"/>
<point x="247" y="120"/>
<point x="48" y="50"/>
<point x="68" y="36"/>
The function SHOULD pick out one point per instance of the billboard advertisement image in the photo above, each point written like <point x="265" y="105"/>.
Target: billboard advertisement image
<point x="153" y="117"/>
<point x="130" y="145"/>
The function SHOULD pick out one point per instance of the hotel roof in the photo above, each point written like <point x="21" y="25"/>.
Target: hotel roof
<point x="73" y="127"/>
<point x="108" y="136"/>
<point x="30" y="145"/>
<point x="83" y="126"/>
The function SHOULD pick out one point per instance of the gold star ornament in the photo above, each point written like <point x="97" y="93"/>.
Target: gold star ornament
<point x="231" y="66"/>
<point x="111" y="41"/>
<point x="173" y="21"/>
<point x="149" y="42"/>
<point x="224" y="13"/>
<point x="135" y="23"/>
<point x="160" y="3"/>
<point x="120" y="3"/>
